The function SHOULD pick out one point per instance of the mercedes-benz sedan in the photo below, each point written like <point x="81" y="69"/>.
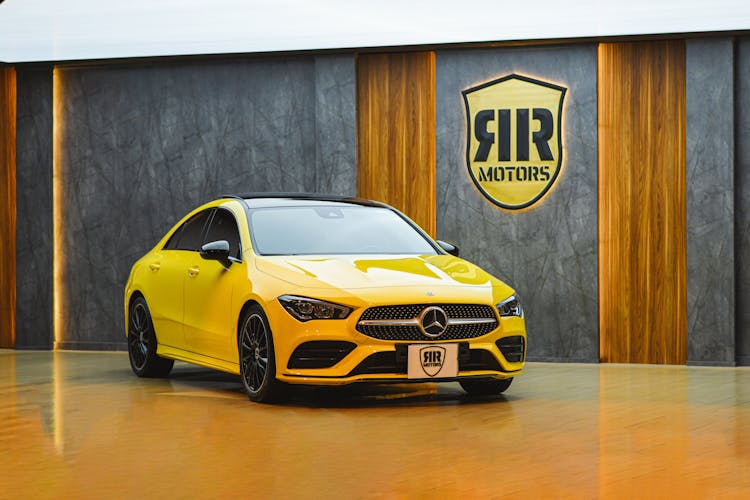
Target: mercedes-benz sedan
<point x="295" y="289"/>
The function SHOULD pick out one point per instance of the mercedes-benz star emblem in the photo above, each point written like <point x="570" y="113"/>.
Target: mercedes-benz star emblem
<point x="433" y="321"/>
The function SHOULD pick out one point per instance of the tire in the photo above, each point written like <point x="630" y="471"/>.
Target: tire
<point x="257" y="358"/>
<point x="142" y="343"/>
<point x="486" y="387"/>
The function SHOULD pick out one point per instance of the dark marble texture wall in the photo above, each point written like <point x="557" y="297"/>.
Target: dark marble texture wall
<point x="34" y="207"/>
<point x="742" y="199"/>
<point x="142" y="145"/>
<point x="336" y="125"/>
<point x="710" y="201"/>
<point x="548" y="253"/>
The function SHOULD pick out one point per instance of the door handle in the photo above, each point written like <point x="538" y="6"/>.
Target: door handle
<point x="193" y="272"/>
<point x="154" y="266"/>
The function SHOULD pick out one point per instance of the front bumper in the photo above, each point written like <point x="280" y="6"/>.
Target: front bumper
<point x="374" y="360"/>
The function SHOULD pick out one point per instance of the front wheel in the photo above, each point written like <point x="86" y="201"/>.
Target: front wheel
<point x="142" y="343"/>
<point x="257" y="359"/>
<point x="486" y="387"/>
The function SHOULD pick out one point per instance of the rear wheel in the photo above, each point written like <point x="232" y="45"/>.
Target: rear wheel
<point x="142" y="343"/>
<point x="486" y="387"/>
<point x="257" y="358"/>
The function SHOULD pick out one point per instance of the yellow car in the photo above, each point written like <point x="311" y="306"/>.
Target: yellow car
<point x="303" y="289"/>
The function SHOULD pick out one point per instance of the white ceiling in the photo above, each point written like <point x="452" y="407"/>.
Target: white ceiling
<point x="57" y="30"/>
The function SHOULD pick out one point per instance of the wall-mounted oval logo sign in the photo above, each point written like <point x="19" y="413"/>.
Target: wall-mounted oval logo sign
<point x="514" y="139"/>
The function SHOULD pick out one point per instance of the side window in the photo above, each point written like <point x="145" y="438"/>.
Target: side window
<point x="224" y="227"/>
<point x="188" y="237"/>
<point x="174" y="239"/>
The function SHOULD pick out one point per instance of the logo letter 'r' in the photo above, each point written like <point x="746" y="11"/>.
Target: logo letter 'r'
<point x="486" y="139"/>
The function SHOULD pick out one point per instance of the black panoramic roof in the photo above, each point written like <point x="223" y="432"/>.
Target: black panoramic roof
<point x="284" y="199"/>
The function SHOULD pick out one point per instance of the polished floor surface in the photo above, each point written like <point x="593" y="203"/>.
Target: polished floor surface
<point x="80" y="425"/>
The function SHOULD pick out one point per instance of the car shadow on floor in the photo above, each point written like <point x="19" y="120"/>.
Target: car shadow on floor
<point x="349" y="396"/>
<point x="367" y="395"/>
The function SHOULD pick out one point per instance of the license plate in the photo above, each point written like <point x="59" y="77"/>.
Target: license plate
<point x="426" y="361"/>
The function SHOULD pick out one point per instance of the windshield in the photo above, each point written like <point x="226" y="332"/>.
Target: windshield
<point x="326" y="230"/>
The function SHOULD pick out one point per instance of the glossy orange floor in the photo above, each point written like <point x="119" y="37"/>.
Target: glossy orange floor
<point x="80" y="425"/>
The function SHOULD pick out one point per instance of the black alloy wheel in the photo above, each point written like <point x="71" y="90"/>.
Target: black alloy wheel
<point x="486" y="387"/>
<point x="142" y="343"/>
<point x="257" y="362"/>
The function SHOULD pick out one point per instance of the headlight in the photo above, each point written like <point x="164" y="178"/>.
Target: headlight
<point x="510" y="307"/>
<point x="305" y="309"/>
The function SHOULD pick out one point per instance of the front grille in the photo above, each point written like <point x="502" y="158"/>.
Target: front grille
<point x="319" y="354"/>
<point x="412" y="312"/>
<point x="396" y="361"/>
<point x="512" y="348"/>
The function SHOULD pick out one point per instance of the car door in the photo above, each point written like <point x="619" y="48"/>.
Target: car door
<point x="168" y="270"/>
<point x="209" y="324"/>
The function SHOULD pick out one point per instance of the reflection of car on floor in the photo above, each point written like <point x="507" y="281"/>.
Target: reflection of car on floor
<point x="295" y="289"/>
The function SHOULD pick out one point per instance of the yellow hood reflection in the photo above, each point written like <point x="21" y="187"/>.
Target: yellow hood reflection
<point x="357" y="271"/>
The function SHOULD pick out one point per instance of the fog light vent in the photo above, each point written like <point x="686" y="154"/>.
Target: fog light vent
<point x="320" y="353"/>
<point x="513" y="348"/>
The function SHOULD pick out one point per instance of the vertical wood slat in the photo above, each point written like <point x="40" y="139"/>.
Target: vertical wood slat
<point x="396" y="132"/>
<point x="642" y="203"/>
<point x="7" y="206"/>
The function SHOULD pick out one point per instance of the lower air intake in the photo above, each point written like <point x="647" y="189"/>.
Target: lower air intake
<point x="513" y="348"/>
<point x="320" y="354"/>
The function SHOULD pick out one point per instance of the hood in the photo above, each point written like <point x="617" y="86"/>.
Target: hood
<point x="351" y="272"/>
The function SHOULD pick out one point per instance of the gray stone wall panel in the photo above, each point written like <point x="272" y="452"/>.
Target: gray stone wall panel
<point x="742" y="200"/>
<point x="142" y="145"/>
<point x="335" y="125"/>
<point x="710" y="200"/>
<point x="34" y="207"/>
<point x="548" y="253"/>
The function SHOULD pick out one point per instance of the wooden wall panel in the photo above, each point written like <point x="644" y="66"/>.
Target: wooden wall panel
<point x="7" y="206"/>
<point x="396" y="132"/>
<point x="642" y="211"/>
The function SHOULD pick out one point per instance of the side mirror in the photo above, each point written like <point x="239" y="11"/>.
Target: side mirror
<point x="448" y="247"/>
<point x="217" y="250"/>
